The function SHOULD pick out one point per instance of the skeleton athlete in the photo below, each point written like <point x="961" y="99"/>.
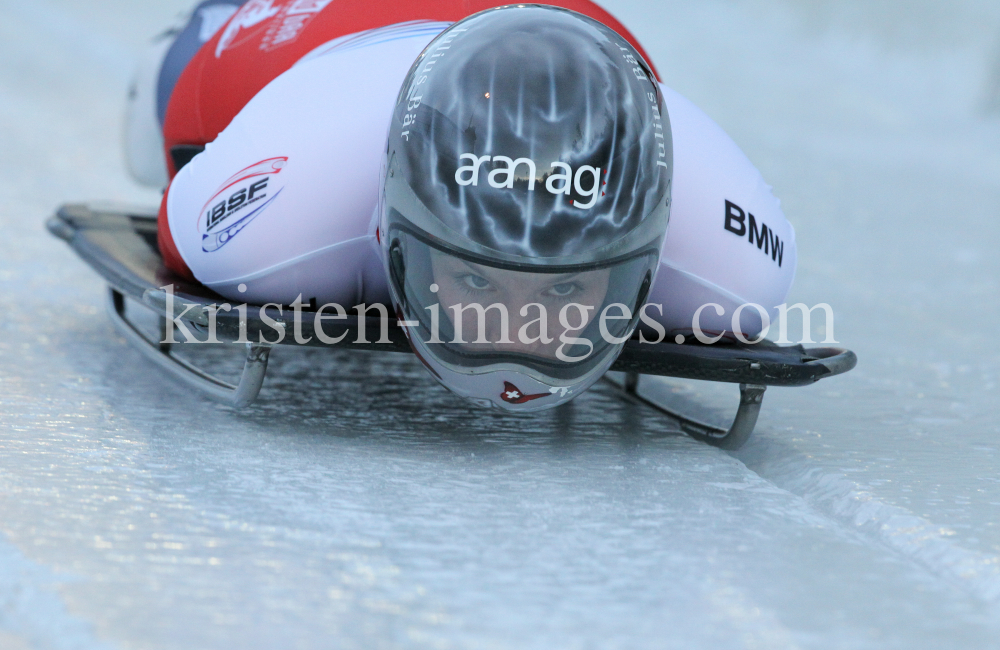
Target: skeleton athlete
<point x="532" y="164"/>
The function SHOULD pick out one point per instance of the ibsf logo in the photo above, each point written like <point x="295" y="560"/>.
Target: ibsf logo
<point x="237" y="202"/>
<point x="564" y="181"/>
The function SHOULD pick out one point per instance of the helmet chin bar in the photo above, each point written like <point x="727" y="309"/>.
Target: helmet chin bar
<point x="507" y="386"/>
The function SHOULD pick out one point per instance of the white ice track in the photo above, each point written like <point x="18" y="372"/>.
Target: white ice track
<point x="360" y="506"/>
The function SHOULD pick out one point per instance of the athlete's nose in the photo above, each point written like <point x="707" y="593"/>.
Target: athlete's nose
<point x="517" y="321"/>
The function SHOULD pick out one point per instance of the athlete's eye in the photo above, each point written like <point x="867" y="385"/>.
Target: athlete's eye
<point x="474" y="281"/>
<point x="563" y="289"/>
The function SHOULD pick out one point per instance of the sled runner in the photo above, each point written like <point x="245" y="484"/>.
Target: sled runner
<point x="120" y="244"/>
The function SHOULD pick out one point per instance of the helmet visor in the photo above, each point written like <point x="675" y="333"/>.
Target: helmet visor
<point x="559" y="323"/>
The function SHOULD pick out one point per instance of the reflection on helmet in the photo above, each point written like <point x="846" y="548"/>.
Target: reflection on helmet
<point x="526" y="194"/>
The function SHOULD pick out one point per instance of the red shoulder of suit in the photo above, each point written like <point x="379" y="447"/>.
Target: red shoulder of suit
<point x="267" y="37"/>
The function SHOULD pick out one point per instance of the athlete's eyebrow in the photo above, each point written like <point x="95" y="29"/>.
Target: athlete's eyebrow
<point x="566" y="277"/>
<point x="459" y="265"/>
<point x="554" y="278"/>
<point x="489" y="272"/>
<point x="472" y="266"/>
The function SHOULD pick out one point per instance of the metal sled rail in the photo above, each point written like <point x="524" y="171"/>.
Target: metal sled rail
<point x="240" y="396"/>
<point x="120" y="244"/>
<point x="751" y="398"/>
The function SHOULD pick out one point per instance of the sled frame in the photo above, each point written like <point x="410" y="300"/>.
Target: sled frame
<point x="119" y="243"/>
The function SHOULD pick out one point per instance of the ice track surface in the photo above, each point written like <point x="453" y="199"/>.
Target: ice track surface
<point x="358" y="505"/>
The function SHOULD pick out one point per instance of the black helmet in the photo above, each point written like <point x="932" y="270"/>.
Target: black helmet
<point x="527" y="174"/>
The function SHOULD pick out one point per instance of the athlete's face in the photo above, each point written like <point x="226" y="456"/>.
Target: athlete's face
<point x="525" y="295"/>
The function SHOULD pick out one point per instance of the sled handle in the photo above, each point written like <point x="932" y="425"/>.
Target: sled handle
<point x="239" y="396"/>
<point x="733" y="438"/>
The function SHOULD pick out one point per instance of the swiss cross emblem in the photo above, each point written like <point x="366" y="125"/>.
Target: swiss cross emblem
<point x="513" y="395"/>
